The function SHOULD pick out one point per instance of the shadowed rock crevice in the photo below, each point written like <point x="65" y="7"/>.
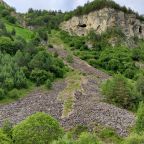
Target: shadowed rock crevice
<point x="82" y="25"/>
<point x="140" y="29"/>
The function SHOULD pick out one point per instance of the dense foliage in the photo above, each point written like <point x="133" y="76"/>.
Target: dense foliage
<point x="38" y="128"/>
<point x="22" y="63"/>
<point x="47" y="19"/>
<point x="117" y="59"/>
<point x="121" y="92"/>
<point x="140" y="119"/>
<point x="3" y="138"/>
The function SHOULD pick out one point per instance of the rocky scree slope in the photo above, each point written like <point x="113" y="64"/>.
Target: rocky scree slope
<point x="88" y="106"/>
<point x="100" y="20"/>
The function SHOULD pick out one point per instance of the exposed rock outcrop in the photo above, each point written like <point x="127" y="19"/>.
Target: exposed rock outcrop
<point x="100" y="20"/>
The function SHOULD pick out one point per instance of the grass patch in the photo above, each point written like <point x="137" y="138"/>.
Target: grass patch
<point x="74" y="80"/>
<point x="25" y="33"/>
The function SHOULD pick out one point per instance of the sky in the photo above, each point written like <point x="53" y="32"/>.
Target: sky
<point x="66" y="5"/>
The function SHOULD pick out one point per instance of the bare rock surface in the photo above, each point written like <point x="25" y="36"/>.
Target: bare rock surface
<point x="100" y="20"/>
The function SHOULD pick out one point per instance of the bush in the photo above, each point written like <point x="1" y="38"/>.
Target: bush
<point x="9" y="83"/>
<point x="140" y="85"/>
<point x="140" y="119"/>
<point x="7" y="128"/>
<point x="118" y="60"/>
<point x="2" y="94"/>
<point x="9" y="46"/>
<point x="65" y="140"/>
<point x="118" y="91"/>
<point x="39" y="76"/>
<point x="134" y="139"/>
<point x="48" y="84"/>
<point x="20" y="80"/>
<point x="13" y="94"/>
<point x="4" y="139"/>
<point x="38" y="129"/>
<point x="87" y="138"/>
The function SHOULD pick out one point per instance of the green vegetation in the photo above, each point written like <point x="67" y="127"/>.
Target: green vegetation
<point x="3" y="138"/>
<point x="140" y="119"/>
<point x="38" y="128"/>
<point x="122" y="92"/>
<point x="20" y="31"/>
<point x="116" y="59"/>
<point x="24" y="62"/>
<point x="44" y="19"/>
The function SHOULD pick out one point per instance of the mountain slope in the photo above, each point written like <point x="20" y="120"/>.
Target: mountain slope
<point x="87" y="107"/>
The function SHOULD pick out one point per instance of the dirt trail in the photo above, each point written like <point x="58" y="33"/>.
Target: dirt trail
<point x="88" y="107"/>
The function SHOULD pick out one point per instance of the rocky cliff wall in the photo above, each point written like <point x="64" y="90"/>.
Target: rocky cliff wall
<point x="99" y="21"/>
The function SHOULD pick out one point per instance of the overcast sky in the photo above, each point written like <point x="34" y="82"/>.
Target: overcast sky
<point x="65" y="5"/>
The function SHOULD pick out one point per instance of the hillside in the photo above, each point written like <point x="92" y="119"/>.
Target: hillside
<point x="72" y="78"/>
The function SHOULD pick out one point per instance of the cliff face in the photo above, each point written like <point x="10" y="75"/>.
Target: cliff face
<point x="99" y="21"/>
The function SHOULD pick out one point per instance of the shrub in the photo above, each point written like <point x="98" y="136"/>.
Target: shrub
<point x="140" y="85"/>
<point x="39" y="128"/>
<point x="118" y="60"/>
<point x="118" y="91"/>
<point x="39" y="76"/>
<point x="13" y="94"/>
<point x="87" y="138"/>
<point x="4" y="139"/>
<point x="48" y="84"/>
<point x="134" y="139"/>
<point x="65" y="140"/>
<point x="9" y="83"/>
<point x="7" y="128"/>
<point x="140" y="119"/>
<point x="20" y="80"/>
<point x="2" y="94"/>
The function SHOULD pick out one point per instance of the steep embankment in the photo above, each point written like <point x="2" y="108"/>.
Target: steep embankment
<point x="87" y="104"/>
<point x="100" y="20"/>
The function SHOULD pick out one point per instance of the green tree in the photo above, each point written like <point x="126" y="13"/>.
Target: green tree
<point x="39" y="76"/>
<point x="118" y="91"/>
<point x="39" y="128"/>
